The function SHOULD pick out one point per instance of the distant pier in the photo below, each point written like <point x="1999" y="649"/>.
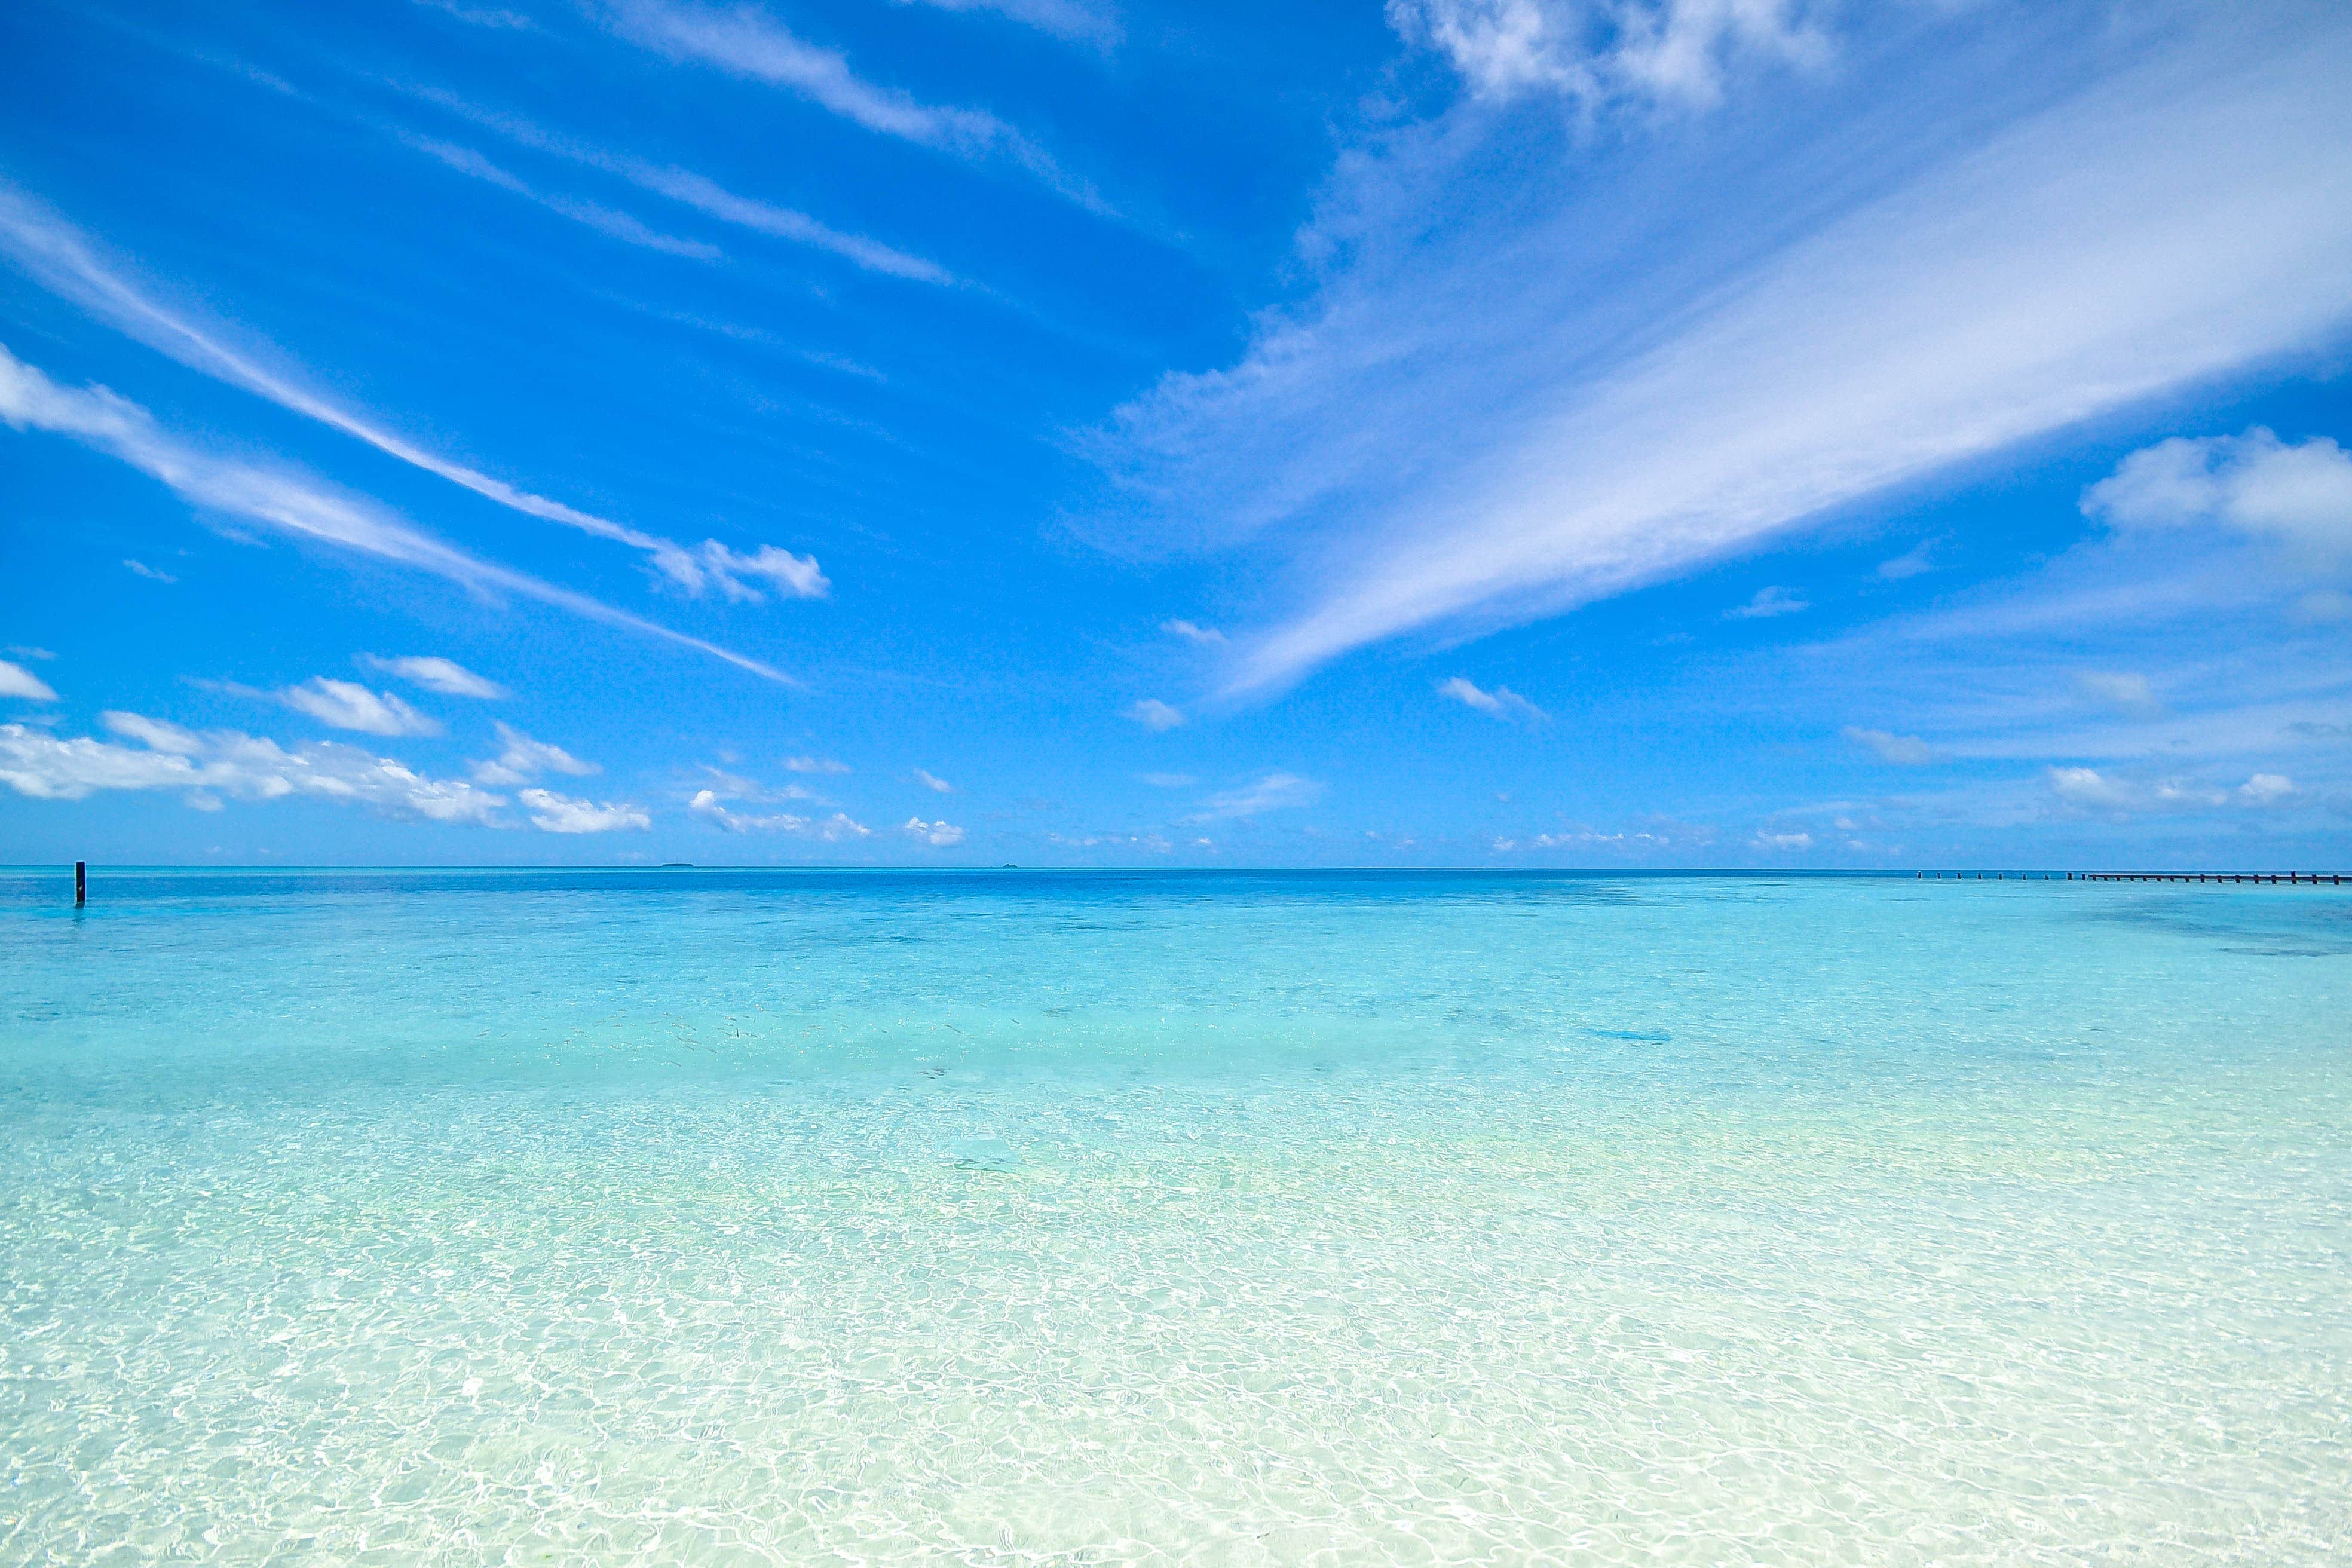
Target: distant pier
<point x="2291" y="878"/>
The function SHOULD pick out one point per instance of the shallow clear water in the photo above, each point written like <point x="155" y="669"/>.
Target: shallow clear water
<point x="1034" y="1218"/>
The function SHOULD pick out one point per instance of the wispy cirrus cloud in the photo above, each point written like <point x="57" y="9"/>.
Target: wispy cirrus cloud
<point x="1274" y="791"/>
<point x="700" y="191"/>
<point x="611" y="222"/>
<point x="1904" y="750"/>
<point x="58" y="257"/>
<point x="1071" y="20"/>
<point x="348" y="705"/>
<point x="1154" y="714"/>
<point x="523" y="759"/>
<point x="1449" y="435"/>
<point x="434" y="673"/>
<point x="290" y="503"/>
<point x="746" y="41"/>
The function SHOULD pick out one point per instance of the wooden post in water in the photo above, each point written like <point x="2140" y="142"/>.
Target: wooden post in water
<point x="81" y="883"/>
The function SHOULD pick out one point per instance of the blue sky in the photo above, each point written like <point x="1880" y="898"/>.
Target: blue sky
<point x="1516" y="432"/>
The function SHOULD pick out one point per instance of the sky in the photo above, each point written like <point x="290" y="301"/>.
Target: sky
<point x="1544" y="433"/>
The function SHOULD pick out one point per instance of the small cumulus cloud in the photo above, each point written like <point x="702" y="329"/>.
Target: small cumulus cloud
<point x="940" y="835"/>
<point x="2088" y="789"/>
<point x="1768" y="604"/>
<point x="348" y="705"/>
<point x="141" y="569"/>
<point x="2266" y="789"/>
<point x="2254" y="485"/>
<point x="163" y="756"/>
<point x="434" y="673"/>
<point x="814" y="765"/>
<point x="785" y="574"/>
<point x="16" y="680"/>
<point x="932" y="782"/>
<point x="1192" y="631"/>
<point x="1154" y="714"/>
<point x="1274" y="791"/>
<point x="1500" y="703"/>
<point x="525" y="759"/>
<point x="1905" y="750"/>
<point x="553" y="813"/>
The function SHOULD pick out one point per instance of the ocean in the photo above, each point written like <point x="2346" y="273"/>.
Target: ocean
<point x="1041" y="1218"/>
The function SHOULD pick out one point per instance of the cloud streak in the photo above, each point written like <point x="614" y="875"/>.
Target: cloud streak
<point x="747" y="42"/>
<point x="700" y="191"/>
<point x="58" y="256"/>
<point x="435" y="673"/>
<point x="290" y="504"/>
<point x="1438" y="440"/>
<point x="348" y="705"/>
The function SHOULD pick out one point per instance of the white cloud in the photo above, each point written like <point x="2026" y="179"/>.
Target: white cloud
<point x="1154" y="714"/>
<point x="525" y="759"/>
<point x="227" y="762"/>
<point x="2088" y="789"/>
<point x="26" y="650"/>
<point x="1490" y="412"/>
<point x="698" y="191"/>
<point x="747" y="42"/>
<point x="61" y="259"/>
<point x="1500" y="703"/>
<point x="1918" y="559"/>
<point x="2122" y="690"/>
<point x="288" y="502"/>
<point x="814" y="765"/>
<point x="2255" y="484"/>
<point x="933" y="781"/>
<point x="1905" y="750"/>
<point x="347" y="705"/>
<point x="940" y="835"/>
<point x="611" y="222"/>
<point x="553" y="813"/>
<point x="141" y="568"/>
<point x="435" y="673"/>
<point x="1274" y="791"/>
<point x="1784" y="842"/>
<point x="1601" y="53"/>
<point x="788" y="576"/>
<point x="16" y="680"/>
<point x="2266" y="789"/>
<point x="1067" y="19"/>
<point x="710" y="805"/>
<point x="1191" y="632"/>
<point x="1769" y="603"/>
<point x="1168" y="780"/>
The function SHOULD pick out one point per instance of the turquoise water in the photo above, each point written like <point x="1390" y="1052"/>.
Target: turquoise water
<point x="1028" y="1219"/>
